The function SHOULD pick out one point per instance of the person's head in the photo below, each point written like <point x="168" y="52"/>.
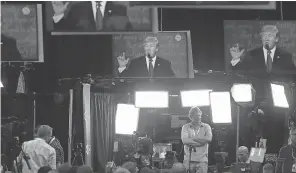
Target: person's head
<point x="269" y="36"/>
<point x="44" y="169"/>
<point x="36" y="131"/>
<point x="268" y="168"/>
<point x="243" y="154"/>
<point x="179" y="168"/>
<point x="293" y="136"/>
<point x="121" y="170"/>
<point x="64" y="168"/>
<point x="84" y="169"/>
<point x="44" y="132"/>
<point x="130" y="166"/>
<point x="195" y="115"/>
<point x="151" y="46"/>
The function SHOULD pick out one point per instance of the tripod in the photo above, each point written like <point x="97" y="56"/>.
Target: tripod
<point x="189" y="160"/>
<point x="78" y="156"/>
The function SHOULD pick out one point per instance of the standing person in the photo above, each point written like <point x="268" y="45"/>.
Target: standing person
<point x="38" y="152"/>
<point x="55" y="143"/>
<point x="197" y="136"/>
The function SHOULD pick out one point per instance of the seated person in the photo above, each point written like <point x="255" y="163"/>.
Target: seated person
<point x="169" y="160"/>
<point x="268" y="168"/>
<point x="244" y="165"/>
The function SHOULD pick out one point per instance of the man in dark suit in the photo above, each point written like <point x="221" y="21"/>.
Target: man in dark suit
<point x="90" y="16"/>
<point x="149" y="65"/>
<point x="266" y="59"/>
<point x="9" y="50"/>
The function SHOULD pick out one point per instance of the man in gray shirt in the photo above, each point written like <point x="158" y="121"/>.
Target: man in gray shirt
<point x="197" y="135"/>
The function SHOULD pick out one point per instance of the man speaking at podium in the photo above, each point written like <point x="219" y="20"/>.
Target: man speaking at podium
<point x="149" y="65"/>
<point x="268" y="58"/>
<point x="196" y="137"/>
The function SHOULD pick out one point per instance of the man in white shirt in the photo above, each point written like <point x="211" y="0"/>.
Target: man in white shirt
<point x="38" y="152"/>
<point x="149" y="65"/>
<point x="266" y="59"/>
<point x="90" y="16"/>
<point x="197" y="136"/>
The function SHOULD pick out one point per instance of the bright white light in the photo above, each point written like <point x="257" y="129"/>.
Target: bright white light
<point x="127" y="117"/>
<point x="195" y="98"/>
<point x="242" y="92"/>
<point x="221" y="107"/>
<point x="279" y="96"/>
<point x="152" y="99"/>
<point x="1" y="85"/>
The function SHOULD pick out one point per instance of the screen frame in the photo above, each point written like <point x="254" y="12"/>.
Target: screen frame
<point x="190" y="68"/>
<point x="39" y="33"/>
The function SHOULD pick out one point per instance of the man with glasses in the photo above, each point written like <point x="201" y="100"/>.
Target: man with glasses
<point x="149" y="65"/>
<point x="269" y="58"/>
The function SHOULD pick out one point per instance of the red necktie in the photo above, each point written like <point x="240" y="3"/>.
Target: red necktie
<point x="269" y="62"/>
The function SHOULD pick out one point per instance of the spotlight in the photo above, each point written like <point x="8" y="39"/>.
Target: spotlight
<point x="278" y="96"/>
<point x="127" y="117"/>
<point x="242" y="92"/>
<point x="151" y="99"/>
<point x="221" y="107"/>
<point x="1" y="85"/>
<point x="195" y="98"/>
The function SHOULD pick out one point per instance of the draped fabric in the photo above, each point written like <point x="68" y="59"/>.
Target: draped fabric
<point x="103" y="111"/>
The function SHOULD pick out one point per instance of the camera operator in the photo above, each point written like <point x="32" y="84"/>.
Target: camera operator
<point x="195" y="137"/>
<point x="37" y="153"/>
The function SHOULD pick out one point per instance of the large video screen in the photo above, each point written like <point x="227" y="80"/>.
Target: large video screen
<point x="260" y="47"/>
<point x="21" y="32"/>
<point x="99" y="16"/>
<point x="148" y="55"/>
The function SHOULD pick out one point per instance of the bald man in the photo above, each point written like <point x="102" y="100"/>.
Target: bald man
<point x="149" y="65"/>
<point x="243" y="161"/>
<point x="267" y="59"/>
<point x="243" y="154"/>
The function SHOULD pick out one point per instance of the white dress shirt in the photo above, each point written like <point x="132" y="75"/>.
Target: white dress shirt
<point x="234" y="62"/>
<point x="40" y="153"/>
<point x="57" y="18"/>
<point x="120" y="69"/>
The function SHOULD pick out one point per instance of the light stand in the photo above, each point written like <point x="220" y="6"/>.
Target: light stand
<point x="237" y="130"/>
<point x="189" y="160"/>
